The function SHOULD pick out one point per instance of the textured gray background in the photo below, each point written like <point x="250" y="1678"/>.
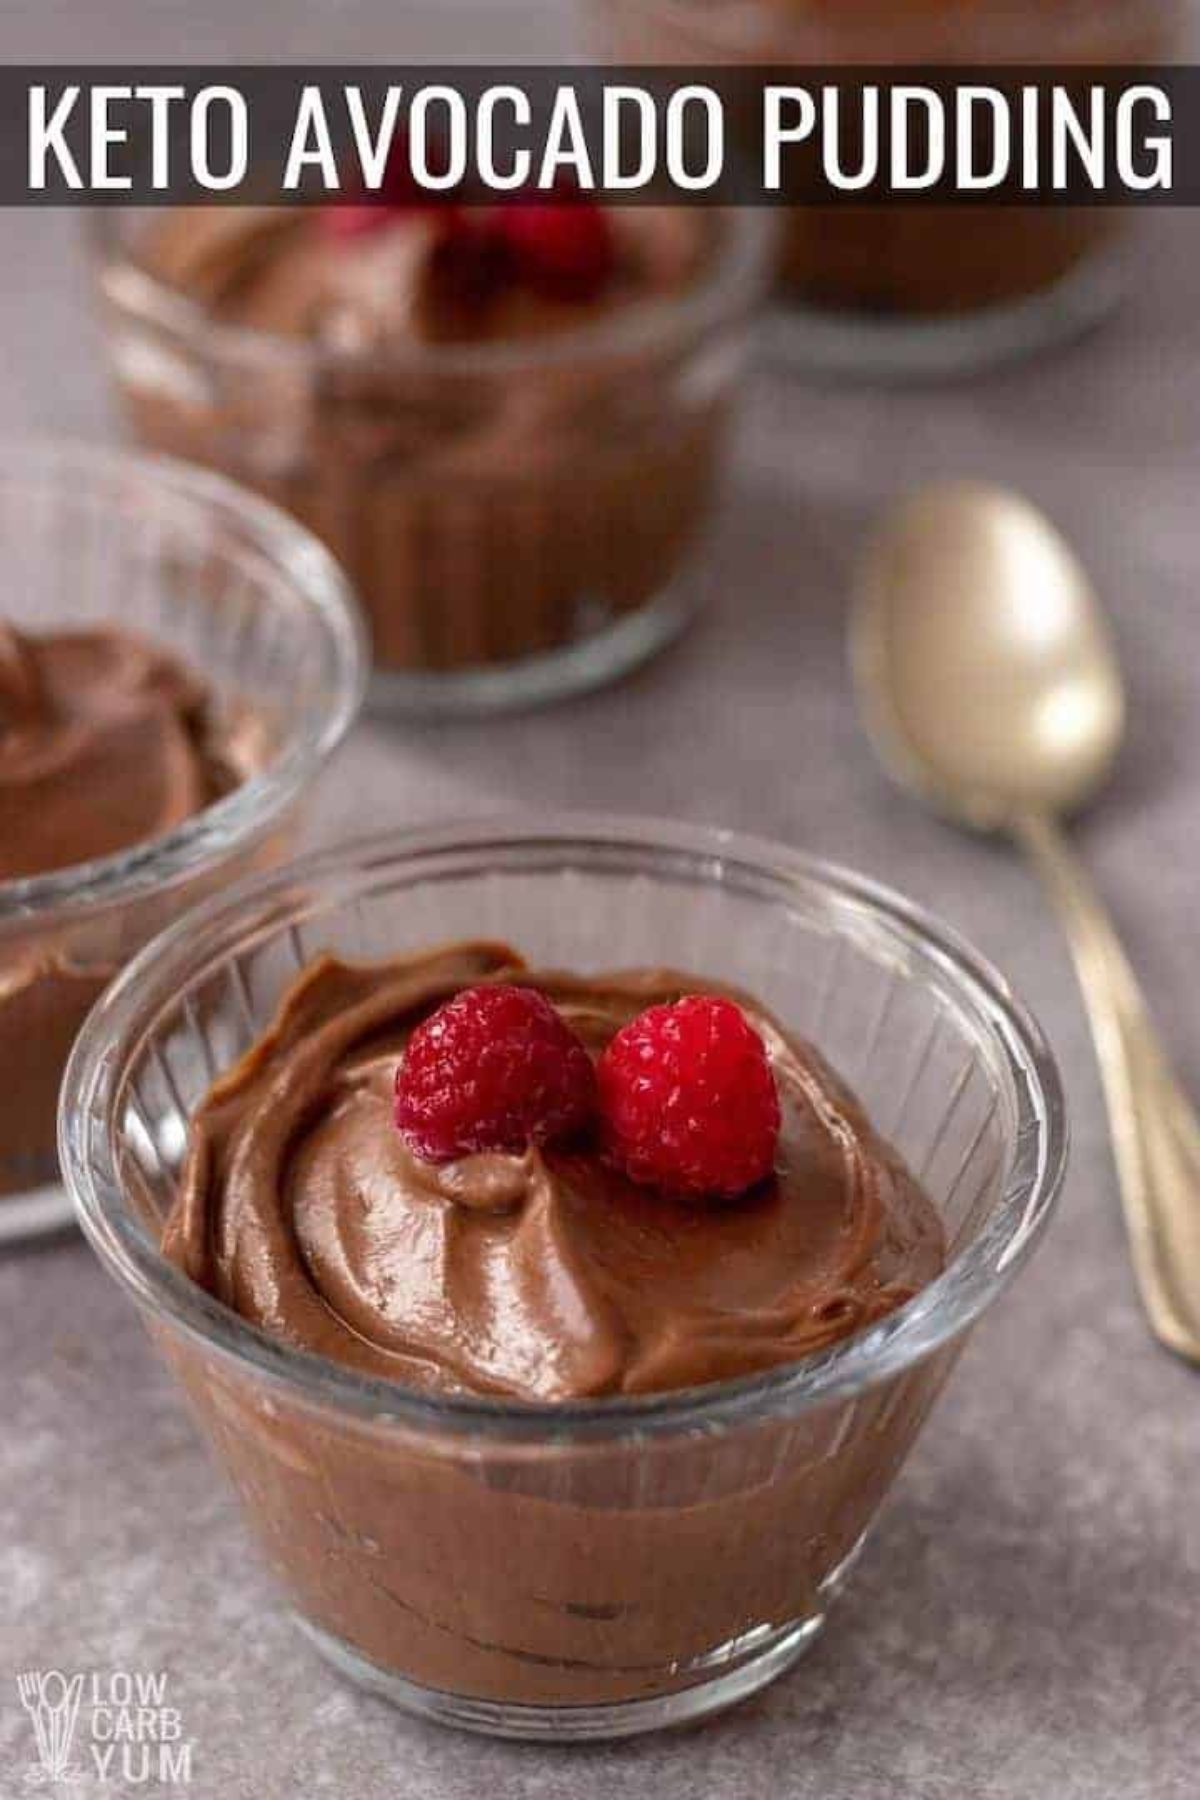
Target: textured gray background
<point x="1024" y="1623"/>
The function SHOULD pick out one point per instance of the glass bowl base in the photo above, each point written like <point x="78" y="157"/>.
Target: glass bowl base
<point x="575" y="1724"/>
<point x="878" y="347"/>
<point x="590" y="662"/>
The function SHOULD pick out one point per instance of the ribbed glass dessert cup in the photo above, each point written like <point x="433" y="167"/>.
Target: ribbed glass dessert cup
<point x="251" y="604"/>
<point x="921" y="288"/>
<point x="603" y="1567"/>
<point x="519" y="515"/>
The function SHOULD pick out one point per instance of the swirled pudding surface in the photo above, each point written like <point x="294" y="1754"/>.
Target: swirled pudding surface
<point x="543" y="1276"/>
<point x="105" y="742"/>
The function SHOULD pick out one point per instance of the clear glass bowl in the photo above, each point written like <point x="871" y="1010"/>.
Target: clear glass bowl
<point x="920" y="289"/>
<point x="603" y="1568"/>
<point x="253" y="604"/>
<point x="517" y="516"/>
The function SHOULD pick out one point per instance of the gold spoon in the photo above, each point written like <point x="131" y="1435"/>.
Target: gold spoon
<point x="988" y="683"/>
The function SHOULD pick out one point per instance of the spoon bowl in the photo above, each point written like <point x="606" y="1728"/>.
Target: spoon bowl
<point x="983" y="662"/>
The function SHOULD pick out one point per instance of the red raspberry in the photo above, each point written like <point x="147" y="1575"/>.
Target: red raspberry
<point x="495" y="1068"/>
<point x="688" y="1099"/>
<point x="472" y="261"/>
<point x="398" y="196"/>
<point x="562" y="248"/>
<point x="345" y="220"/>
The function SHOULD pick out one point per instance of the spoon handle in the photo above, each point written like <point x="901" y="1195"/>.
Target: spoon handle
<point x="1155" y="1130"/>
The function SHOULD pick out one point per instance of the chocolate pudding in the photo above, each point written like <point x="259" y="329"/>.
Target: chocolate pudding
<point x="913" y="261"/>
<point x="505" y="463"/>
<point x="105" y="743"/>
<point x="544" y="1276"/>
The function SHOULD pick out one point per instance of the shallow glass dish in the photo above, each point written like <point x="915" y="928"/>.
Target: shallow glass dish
<point x="519" y="516"/>
<point x="591" y="1569"/>
<point x="248" y="601"/>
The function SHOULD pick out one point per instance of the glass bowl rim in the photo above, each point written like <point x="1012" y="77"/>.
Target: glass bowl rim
<point x="737" y="279"/>
<point x="939" y="1312"/>
<point x="228" y="825"/>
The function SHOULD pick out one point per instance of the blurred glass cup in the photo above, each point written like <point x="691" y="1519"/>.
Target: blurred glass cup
<point x="245" y="599"/>
<point x="518" y="516"/>
<point x="911" y="289"/>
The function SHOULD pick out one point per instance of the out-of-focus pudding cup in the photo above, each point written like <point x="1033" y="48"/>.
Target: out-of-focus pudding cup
<point x="920" y="289"/>
<point x="251" y="604"/>
<point x="518" y="515"/>
<point x="595" y="1568"/>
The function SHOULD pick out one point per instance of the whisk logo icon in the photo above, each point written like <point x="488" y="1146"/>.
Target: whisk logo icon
<point x="52" y="1701"/>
